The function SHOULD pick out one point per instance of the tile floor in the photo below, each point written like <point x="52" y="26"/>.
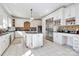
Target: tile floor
<point x="17" y="48"/>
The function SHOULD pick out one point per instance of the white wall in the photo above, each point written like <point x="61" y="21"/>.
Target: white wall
<point x="20" y="22"/>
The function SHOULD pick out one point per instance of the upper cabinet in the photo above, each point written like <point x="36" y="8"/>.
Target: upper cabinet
<point x="77" y="14"/>
<point x="70" y="11"/>
<point x="73" y="10"/>
<point x="58" y="14"/>
<point x="67" y="13"/>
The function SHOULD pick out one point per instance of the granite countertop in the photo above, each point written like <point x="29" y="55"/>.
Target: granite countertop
<point x="33" y="33"/>
<point x="6" y="33"/>
<point x="65" y="32"/>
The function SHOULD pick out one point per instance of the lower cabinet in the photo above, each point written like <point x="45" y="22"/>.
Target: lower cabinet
<point x="76" y="43"/>
<point x="70" y="41"/>
<point x="57" y="38"/>
<point x="4" y="42"/>
<point x="63" y="38"/>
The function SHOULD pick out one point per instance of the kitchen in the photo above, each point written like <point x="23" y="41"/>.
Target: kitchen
<point x="39" y="30"/>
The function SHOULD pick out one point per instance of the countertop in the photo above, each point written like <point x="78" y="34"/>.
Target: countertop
<point x="67" y="33"/>
<point x="33" y="33"/>
<point x="6" y="33"/>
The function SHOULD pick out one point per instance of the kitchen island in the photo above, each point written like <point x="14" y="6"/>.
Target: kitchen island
<point x="33" y="40"/>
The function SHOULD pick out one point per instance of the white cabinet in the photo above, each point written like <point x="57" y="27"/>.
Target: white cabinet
<point x="77" y="14"/>
<point x="57" y="38"/>
<point x="40" y="40"/>
<point x="76" y="43"/>
<point x="60" y="40"/>
<point x="28" y="40"/>
<point x="70" y="41"/>
<point x="1" y="45"/>
<point x="67" y="13"/>
<point x="63" y="38"/>
<point x="70" y="11"/>
<point x="17" y="34"/>
<point x="4" y="42"/>
<point x="73" y="10"/>
<point x="34" y="40"/>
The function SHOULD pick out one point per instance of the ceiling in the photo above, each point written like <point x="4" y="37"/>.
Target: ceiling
<point x="23" y="9"/>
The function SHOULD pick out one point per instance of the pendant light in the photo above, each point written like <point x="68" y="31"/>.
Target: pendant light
<point x="31" y="18"/>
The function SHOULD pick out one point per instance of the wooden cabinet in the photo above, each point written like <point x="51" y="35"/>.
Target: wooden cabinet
<point x="27" y="26"/>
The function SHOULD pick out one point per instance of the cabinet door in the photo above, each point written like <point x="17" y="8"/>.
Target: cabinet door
<point x="4" y="42"/>
<point x="76" y="43"/>
<point x="77" y="14"/>
<point x="35" y="40"/>
<point x="73" y="10"/>
<point x="55" y="37"/>
<point x="40" y="40"/>
<point x="17" y="34"/>
<point x="70" y="41"/>
<point x="67" y="13"/>
<point x="60" y="38"/>
<point x="1" y="45"/>
<point x="28" y="40"/>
